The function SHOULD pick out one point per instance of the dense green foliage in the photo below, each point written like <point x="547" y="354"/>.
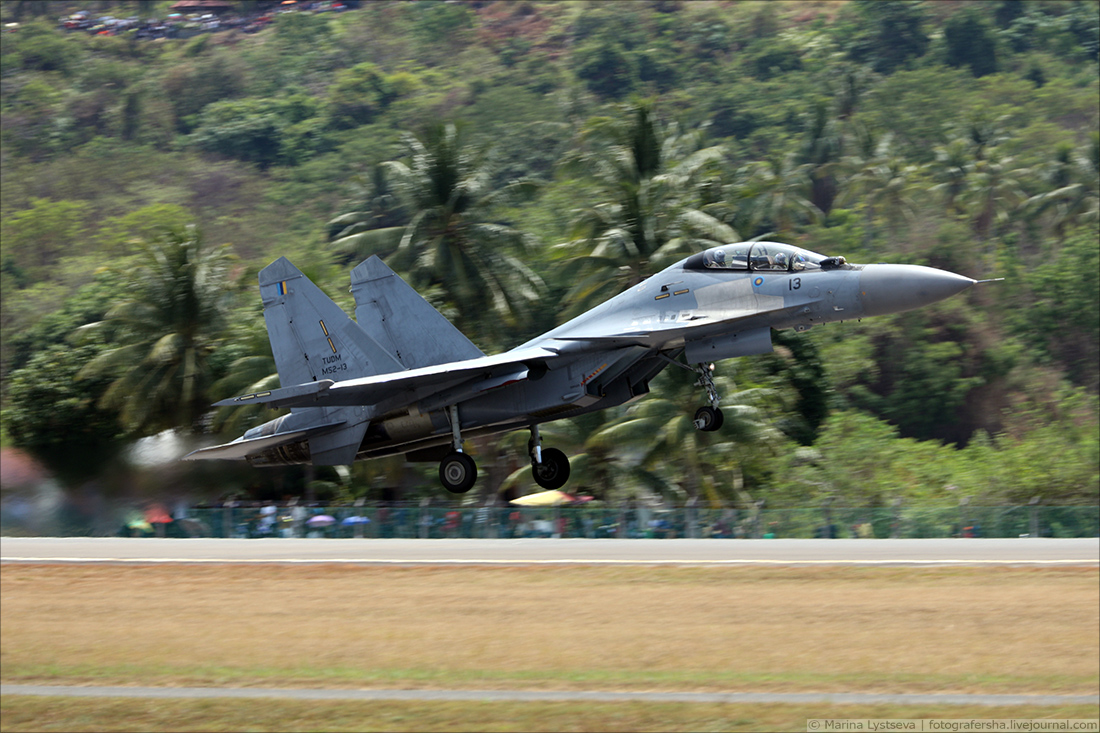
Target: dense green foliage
<point x="519" y="161"/>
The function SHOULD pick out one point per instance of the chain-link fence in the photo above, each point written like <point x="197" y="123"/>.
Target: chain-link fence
<point x="430" y="520"/>
<point x="631" y="522"/>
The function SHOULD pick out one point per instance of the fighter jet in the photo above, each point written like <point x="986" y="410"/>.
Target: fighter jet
<point x="401" y="379"/>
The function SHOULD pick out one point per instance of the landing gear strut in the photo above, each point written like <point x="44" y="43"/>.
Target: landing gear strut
<point x="549" y="467"/>
<point x="709" y="417"/>
<point x="457" y="471"/>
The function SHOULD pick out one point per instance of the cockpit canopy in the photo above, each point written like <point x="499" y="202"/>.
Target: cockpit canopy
<point x="760" y="256"/>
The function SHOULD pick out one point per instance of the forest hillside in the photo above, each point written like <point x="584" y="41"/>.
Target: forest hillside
<point x="519" y="162"/>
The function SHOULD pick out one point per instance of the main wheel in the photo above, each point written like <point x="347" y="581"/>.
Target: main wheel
<point x="457" y="473"/>
<point x="553" y="472"/>
<point x="708" y="419"/>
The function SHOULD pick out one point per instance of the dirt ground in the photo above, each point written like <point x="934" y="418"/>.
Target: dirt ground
<point x="622" y="628"/>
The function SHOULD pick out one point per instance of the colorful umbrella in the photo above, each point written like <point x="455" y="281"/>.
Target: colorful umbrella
<point x="355" y="520"/>
<point x="157" y="515"/>
<point x="544" y="498"/>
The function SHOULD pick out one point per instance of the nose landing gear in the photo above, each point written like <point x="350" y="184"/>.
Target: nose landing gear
<point x="709" y="417"/>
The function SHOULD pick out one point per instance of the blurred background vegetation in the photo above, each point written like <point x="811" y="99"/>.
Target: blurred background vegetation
<point x="518" y="162"/>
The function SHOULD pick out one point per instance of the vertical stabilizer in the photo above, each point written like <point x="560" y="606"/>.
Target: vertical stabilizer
<point x="397" y="317"/>
<point x="311" y="337"/>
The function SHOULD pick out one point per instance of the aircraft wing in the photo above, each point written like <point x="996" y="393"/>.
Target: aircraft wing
<point x="469" y="376"/>
<point x="659" y="334"/>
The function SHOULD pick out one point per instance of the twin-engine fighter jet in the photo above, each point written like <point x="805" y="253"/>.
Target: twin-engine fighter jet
<point x="404" y="380"/>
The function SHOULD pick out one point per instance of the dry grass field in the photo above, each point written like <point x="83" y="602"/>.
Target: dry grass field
<point x="65" y="715"/>
<point x="987" y="630"/>
<point x="624" y="628"/>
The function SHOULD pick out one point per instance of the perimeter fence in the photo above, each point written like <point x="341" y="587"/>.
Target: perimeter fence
<point x="635" y="522"/>
<point x="427" y="520"/>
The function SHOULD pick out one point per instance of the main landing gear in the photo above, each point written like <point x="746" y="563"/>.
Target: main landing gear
<point x="458" y="472"/>
<point x="549" y="467"/>
<point x="708" y="418"/>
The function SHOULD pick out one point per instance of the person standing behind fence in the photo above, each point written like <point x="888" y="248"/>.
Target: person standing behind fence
<point x="450" y="523"/>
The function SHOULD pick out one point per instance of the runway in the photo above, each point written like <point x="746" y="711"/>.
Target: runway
<point x="792" y="698"/>
<point x="933" y="552"/>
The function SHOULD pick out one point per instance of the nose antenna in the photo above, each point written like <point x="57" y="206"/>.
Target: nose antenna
<point x="990" y="280"/>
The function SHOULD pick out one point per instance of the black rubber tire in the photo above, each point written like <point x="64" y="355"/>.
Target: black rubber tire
<point x="457" y="473"/>
<point x="708" y="419"/>
<point x="553" y="472"/>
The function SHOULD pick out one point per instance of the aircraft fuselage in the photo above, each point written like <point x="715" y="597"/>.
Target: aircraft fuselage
<point x="607" y="356"/>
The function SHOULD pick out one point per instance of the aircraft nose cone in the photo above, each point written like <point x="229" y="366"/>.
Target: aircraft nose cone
<point x="896" y="288"/>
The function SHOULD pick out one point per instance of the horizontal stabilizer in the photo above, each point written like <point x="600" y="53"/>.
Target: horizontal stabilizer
<point x="488" y="372"/>
<point x="242" y="448"/>
<point x="277" y="398"/>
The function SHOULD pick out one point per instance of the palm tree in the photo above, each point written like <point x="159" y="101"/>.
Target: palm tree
<point x="652" y="448"/>
<point x="378" y="224"/>
<point x="164" y="333"/>
<point x="648" y="174"/>
<point x="950" y="170"/>
<point x="253" y="371"/>
<point x="1072" y="179"/>
<point x="848" y="83"/>
<point x="776" y="193"/>
<point x="982" y="132"/>
<point x="450" y="241"/>
<point x="655" y="447"/>
<point x="881" y="179"/>
<point x="994" y="192"/>
<point x="821" y="150"/>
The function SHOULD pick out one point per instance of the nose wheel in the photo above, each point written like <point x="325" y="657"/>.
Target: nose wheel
<point x="708" y="419"/>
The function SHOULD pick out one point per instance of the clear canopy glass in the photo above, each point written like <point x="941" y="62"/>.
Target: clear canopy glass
<point x="761" y="256"/>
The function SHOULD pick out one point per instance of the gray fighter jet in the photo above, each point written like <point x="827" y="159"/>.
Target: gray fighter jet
<point x="404" y="380"/>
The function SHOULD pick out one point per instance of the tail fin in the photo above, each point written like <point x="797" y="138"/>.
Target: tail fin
<point x="400" y="320"/>
<point x="311" y="337"/>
